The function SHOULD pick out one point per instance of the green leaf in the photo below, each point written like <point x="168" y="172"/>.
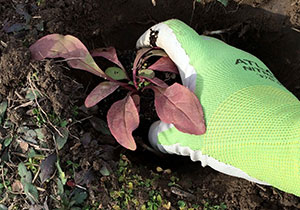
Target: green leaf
<point x="61" y="140"/>
<point x="79" y="197"/>
<point x="115" y="73"/>
<point x="224" y="2"/>
<point x="30" y="135"/>
<point x="62" y="175"/>
<point x="39" y="133"/>
<point x="22" y="171"/>
<point x="7" y="141"/>
<point x="100" y="125"/>
<point x="31" y="95"/>
<point x="31" y="153"/>
<point x="26" y="178"/>
<point x="181" y="204"/>
<point x="104" y="171"/>
<point x="3" y="107"/>
<point x="2" y="207"/>
<point x="63" y="123"/>
<point x="60" y="187"/>
<point x="147" y="73"/>
<point x="76" y="208"/>
<point x="8" y="124"/>
<point x="31" y="192"/>
<point x="130" y="83"/>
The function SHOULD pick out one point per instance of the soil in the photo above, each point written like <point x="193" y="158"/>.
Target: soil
<point x="269" y="29"/>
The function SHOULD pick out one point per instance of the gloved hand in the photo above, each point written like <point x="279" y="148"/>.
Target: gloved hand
<point x="253" y="122"/>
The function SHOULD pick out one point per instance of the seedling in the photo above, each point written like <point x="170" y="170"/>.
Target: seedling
<point x="174" y="104"/>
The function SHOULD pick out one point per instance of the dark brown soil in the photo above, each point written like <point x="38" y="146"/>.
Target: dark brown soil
<point x="269" y="29"/>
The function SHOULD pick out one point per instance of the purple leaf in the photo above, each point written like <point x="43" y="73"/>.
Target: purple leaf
<point x="47" y="167"/>
<point x="136" y="63"/>
<point x="84" y="177"/>
<point x="181" y="107"/>
<point x="154" y="52"/>
<point x="123" y="118"/>
<point x="140" y="53"/>
<point x="110" y="54"/>
<point x="68" y="47"/>
<point x="164" y="64"/>
<point x="101" y="91"/>
<point x="136" y="100"/>
<point x="16" y="28"/>
<point x="86" y="139"/>
<point x="21" y="10"/>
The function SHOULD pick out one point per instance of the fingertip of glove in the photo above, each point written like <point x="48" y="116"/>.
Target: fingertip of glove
<point x="153" y="134"/>
<point x="156" y="128"/>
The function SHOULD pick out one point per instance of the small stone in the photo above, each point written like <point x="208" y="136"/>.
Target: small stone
<point x="96" y="166"/>
<point x="167" y="171"/>
<point x="159" y="169"/>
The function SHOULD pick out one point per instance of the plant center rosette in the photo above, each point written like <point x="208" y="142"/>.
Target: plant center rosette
<point x="174" y="104"/>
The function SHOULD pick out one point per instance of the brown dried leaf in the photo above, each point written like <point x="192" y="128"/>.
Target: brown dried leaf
<point x="17" y="186"/>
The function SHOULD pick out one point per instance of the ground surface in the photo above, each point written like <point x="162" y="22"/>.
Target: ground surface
<point x="46" y="97"/>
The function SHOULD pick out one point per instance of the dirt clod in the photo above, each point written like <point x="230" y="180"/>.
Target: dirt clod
<point x="14" y="65"/>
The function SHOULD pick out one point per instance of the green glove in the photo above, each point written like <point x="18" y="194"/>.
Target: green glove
<point x="253" y="122"/>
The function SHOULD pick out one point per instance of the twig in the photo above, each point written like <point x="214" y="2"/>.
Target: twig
<point x="36" y="101"/>
<point x="19" y="154"/>
<point x="80" y="187"/>
<point x="50" y="123"/>
<point x="150" y="20"/>
<point x="296" y="29"/>
<point x="2" y="175"/>
<point x="36" y="17"/>
<point x="75" y="137"/>
<point x="35" y="85"/>
<point x="180" y="192"/>
<point x="80" y="121"/>
<point x="261" y="187"/>
<point x="193" y="12"/>
<point x="29" y="103"/>
<point x="5" y="198"/>
<point x="3" y="44"/>
<point x="36" y="175"/>
<point x="222" y="31"/>
<point x="232" y="11"/>
<point x="11" y="165"/>
<point x="145" y="146"/>
<point x="36" y="147"/>
<point x="19" y="96"/>
<point x="40" y="189"/>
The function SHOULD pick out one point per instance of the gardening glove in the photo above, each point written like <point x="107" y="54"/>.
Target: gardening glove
<point x="252" y="121"/>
